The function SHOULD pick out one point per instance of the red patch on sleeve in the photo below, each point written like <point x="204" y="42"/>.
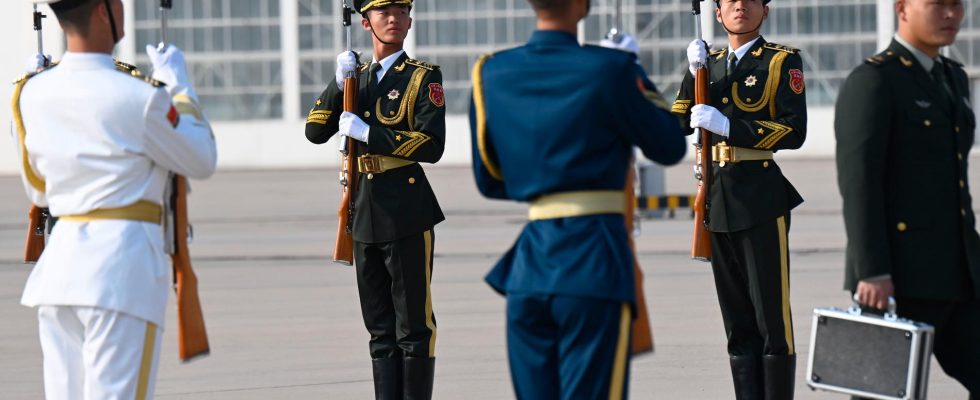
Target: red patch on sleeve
<point x="173" y="116"/>
<point x="796" y="82"/>
<point x="436" y="95"/>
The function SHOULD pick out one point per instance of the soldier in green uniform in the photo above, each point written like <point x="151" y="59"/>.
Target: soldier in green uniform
<point x="757" y="106"/>
<point x="400" y="123"/>
<point x="904" y="127"/>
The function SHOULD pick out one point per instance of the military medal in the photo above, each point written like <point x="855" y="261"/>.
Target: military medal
<point x="393" y="94"/>
<point x="751" y="81"/>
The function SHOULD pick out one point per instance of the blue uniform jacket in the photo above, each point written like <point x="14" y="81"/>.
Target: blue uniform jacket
<point x="554" y="116"/>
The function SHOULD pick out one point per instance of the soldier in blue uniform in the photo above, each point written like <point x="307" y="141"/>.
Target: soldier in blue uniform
<point x="554" y="124"/>
<point x="757" y="106"/>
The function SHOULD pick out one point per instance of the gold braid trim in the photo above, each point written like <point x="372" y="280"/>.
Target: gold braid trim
<point x="481" y="118"/>
<point x="416" y="139"/>
<point x="32" y="177"/>
<point x="777" y="132"/>
<point x="772" y="85"/>
<point x="407" y="105"/>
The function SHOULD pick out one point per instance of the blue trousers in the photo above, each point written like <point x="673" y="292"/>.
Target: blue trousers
<point x="566" y="347"/>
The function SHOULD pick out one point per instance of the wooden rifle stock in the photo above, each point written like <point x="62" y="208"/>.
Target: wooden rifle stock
<point x="701" y="243"/>
<point x="343" y="250"/>
<point x="34" y="244"/>
<point x="642" y="338"/>
<point x="192" y="338"/>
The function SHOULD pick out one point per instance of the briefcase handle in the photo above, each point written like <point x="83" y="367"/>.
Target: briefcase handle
<point x="890" y="314"/>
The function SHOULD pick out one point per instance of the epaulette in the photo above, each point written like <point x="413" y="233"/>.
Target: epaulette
<point x="136" y="73"/>
<point x="422" y="64"/>
<point x="952" y="62"/>
<point x="779" y="47"/>
<point x="30" y="75"/>
<point x="885" y="57"/>
<point x="363" y="67"/>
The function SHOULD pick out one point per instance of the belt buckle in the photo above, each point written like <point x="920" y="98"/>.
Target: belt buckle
<point x="370" y="164"/>
<point x="725" y="153"/>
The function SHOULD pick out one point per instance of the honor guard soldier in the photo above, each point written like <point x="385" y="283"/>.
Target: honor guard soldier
<point x="98" y="143"/>
<point x="554" y="124"/>
<point x="905" y="126"/>
<point x="401" y="122"/>
<point x="757" y="106"/>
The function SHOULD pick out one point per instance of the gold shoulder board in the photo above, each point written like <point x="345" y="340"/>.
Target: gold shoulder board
<point x="422" y="64"/>
<point x="779" y="47"/>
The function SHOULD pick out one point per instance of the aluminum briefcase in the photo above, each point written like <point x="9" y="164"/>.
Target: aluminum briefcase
<point x="868" y="355"/>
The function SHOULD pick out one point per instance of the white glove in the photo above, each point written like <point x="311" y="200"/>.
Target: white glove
<point x="697" y="54"/>
<point x="626" y="43"/>
<point x="36" y="62"/>
<point x="352" y="126"/>
<point x="169" y="67"/>
<point x="346" y="62"/>
<point x="707" y="117"/>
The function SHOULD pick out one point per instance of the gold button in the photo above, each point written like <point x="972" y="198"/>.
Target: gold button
<point x="959" y="156"/>
<point x="392" y="112"/>
<point x="411" y="181"/>
<point x="721" y="164"/>
<point x="724" y="100"/>
<point x="962" y="184"/>
<point x="748" y="100"/>
<point x="963" y="212"/>
<point x="370" y="176"/>
<point x="765" y="164"/>
<point x="367" y="114"/>
<point x="902" y="227"/>
<point x="927" y="123"/>
<point x="957" y="129"/>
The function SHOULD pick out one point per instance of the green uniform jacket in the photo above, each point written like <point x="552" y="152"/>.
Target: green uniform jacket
<point x="407" y="115"/>
<point x="765" y="101"/>
<point x="902" y="149"/>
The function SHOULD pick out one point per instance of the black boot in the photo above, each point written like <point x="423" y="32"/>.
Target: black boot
<point x="418" y="375"/>
<point x="387" y="378"/>
<point x="747" y="374"/>
<point x="780" y="372"/>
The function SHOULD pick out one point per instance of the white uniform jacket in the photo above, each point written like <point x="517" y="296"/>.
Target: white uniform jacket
<point x="101" y="138"/>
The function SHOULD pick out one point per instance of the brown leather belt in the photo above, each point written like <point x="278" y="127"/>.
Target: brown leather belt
<point x="376" y="164"/>
<point x="723" y="153"/>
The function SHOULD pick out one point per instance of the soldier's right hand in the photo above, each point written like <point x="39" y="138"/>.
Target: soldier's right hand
<point x="697" y="54"/>
<point x="346" y="63"/>
<point x="170" y="68"/>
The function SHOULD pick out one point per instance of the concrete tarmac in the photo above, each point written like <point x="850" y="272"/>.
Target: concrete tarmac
<point x="284" y="321"/>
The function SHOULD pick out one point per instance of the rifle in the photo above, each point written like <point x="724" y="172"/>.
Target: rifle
<point x="642" y="338"/>
<point x="343" y="250"/>
<point x="34" y="244"/>
<point x="36" y="228"/>
<point x="701" y="243"/>
<point x="192" y="337"/>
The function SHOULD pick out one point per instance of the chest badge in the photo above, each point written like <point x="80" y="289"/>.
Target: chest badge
<point x="393" y="94"/>
<point x="751" y="81"/>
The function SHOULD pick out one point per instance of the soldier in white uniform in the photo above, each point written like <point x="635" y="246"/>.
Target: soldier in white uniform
<point x="98" y="143"/>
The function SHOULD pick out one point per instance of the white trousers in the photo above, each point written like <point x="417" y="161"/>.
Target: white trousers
<point x="97" y="354"/>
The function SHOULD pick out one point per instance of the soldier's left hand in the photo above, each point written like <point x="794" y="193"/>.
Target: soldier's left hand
<point x="707" y="117"/>
<point x="36" y="62"/>
<point x="626" y="43"/>
<point x="352" y="126"/>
